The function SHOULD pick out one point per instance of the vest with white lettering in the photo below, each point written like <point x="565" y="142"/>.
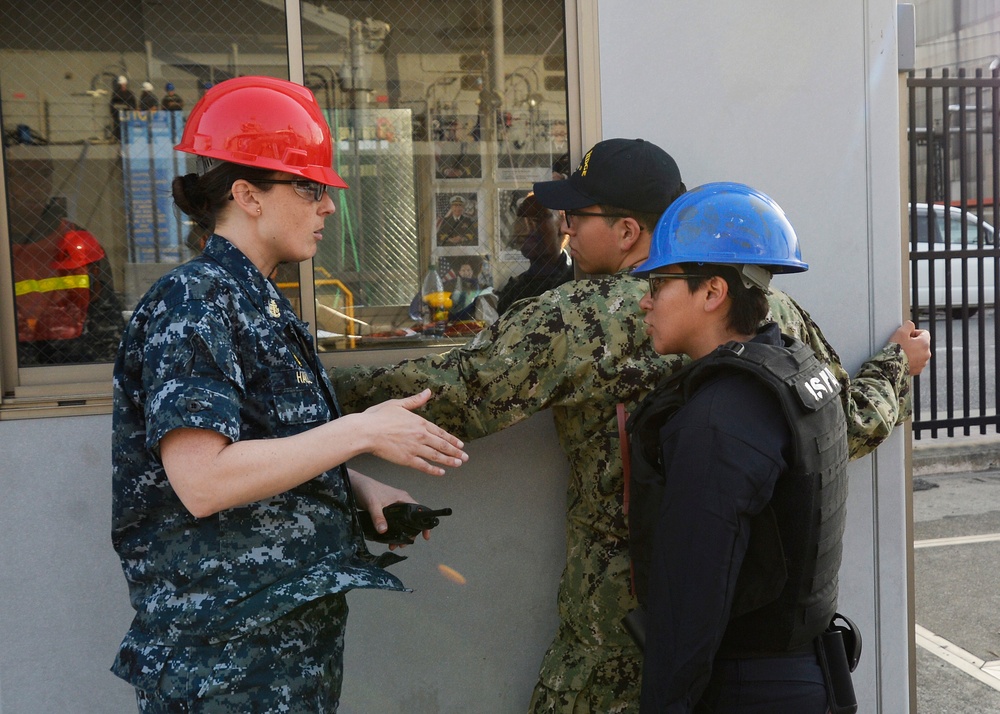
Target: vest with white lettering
<point x="786" y="592"/>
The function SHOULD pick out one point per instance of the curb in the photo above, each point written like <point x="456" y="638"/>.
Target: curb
<point x="963" y="455"/>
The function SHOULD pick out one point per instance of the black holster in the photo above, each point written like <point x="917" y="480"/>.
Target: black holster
<point x="837" y="663"/>
<point x="838" y="651"/>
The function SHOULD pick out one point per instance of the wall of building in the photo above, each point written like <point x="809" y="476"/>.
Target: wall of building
<point x="973" y="46"/>
<point x="65" y="603"/>
<point x="797" y="99"/>
<point x="444" y="647"/>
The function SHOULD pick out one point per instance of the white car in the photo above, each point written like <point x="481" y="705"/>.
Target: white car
<point x="963" y="288"/>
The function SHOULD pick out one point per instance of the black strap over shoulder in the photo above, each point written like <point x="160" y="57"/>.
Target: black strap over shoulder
<point x="793" y="363"/>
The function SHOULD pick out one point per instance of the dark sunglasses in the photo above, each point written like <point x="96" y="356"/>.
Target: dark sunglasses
<point x="572" y="212"/>
<point x="312" y="190"/>
<point x="657" y="279"/>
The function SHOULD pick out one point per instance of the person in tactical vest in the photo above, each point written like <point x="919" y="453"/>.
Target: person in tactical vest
<point x="739" y="482"/>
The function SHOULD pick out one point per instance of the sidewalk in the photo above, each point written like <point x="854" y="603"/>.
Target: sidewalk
<point x="956" y="519"/>
<point x="956" y="454"/>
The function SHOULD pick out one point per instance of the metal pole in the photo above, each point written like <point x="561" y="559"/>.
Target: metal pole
<point x="149" y="60"/>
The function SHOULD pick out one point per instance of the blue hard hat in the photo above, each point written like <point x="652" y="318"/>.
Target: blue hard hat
<point x="727" y="224"/>
<point x="169" y="87"/>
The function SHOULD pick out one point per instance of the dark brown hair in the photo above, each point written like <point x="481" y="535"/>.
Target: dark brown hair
<point x="648" y="221"/>
<point x="203" y="197"/>
<point x="748" y="306"/>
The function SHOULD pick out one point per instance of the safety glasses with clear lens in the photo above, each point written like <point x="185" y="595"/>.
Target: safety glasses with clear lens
<point x="657" y="279"/>
<point x="310" y="190"/>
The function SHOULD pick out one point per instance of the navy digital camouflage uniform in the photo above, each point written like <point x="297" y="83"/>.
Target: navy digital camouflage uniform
<point x="246" y="604"/>
<point x="580" y="349"/>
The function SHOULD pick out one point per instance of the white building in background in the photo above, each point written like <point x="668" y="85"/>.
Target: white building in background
<point x="957" y="34"/>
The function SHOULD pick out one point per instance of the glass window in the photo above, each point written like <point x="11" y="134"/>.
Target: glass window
<point x="443" y="116"/>
<point x="93" y="96"/>
<point x="972" y="231"/>
<point x="927" y="217"/>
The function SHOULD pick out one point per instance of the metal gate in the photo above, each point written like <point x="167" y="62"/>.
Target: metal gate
<point x="954" y="189"/>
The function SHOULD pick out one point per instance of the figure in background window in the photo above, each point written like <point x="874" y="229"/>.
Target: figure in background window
<point x="172" y="101"/>
<point x="464" y="288"/>
<point x="147" y="100"/>
<point x="537" y="234"/>
<point x="122" y="100"/>
<point x="455" y="227"/>
<point x="67" y="309"/>
<point x="561" y="168"/>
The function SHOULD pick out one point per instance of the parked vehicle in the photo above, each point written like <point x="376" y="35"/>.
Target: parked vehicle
<point x="963" y="287"/>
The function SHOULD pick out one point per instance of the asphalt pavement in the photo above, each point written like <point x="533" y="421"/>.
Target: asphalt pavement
<point x="956" y="532"/>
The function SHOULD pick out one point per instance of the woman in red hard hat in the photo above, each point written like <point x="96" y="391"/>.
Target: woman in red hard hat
<point x="233" y="512"/>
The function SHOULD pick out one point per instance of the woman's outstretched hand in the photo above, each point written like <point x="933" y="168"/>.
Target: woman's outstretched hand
<point x="407" y="439"/>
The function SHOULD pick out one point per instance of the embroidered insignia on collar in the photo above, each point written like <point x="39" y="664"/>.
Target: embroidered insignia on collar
<point x="272" y="309"/>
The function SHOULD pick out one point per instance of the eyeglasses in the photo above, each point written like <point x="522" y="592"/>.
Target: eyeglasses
<point x="657" y="279"/>
<point x="572" y="212"/>
<point x="310" y="190"/>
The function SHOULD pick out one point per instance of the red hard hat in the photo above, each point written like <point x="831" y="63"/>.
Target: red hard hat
<point x="263" y="122"/>
<point x="76" y="249"/>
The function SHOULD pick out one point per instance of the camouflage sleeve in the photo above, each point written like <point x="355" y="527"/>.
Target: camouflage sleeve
<point x="876" y="399"/>
<point x="511" y="370"/>
<point x="880" y="399"/>
<point x="190" y="376"/>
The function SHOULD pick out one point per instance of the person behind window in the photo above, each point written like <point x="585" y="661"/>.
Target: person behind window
<point x="122" y="100"/>
<point x="67" y="308"/>
<point x="538" y="236"/>
<point x="172" y="101"/>
<point x="561" y="168"/>
<point x="738" y="481"/>
<point x="148" y="100"/>
<point x="464" y="288"/>
<point x="233" y="511"/>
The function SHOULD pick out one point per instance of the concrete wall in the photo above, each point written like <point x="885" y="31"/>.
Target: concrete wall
<point x="797" y="99"/>
<point x="973" y="46"/>
<point x="63" y="601"/>
<point x="442" y="648"/>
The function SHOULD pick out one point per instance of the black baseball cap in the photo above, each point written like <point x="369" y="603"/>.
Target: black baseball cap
<point x="625" y="173"/>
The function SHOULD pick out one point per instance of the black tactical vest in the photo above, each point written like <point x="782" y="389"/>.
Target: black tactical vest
<point x="786" y="591"/>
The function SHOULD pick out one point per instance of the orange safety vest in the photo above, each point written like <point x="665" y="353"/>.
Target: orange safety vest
<point x="52" y="283"/>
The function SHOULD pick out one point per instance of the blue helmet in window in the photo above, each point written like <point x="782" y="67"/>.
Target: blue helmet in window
<point x="726" y="224"/>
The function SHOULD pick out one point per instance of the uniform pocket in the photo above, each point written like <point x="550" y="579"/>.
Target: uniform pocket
<point x="297" y="398"/>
